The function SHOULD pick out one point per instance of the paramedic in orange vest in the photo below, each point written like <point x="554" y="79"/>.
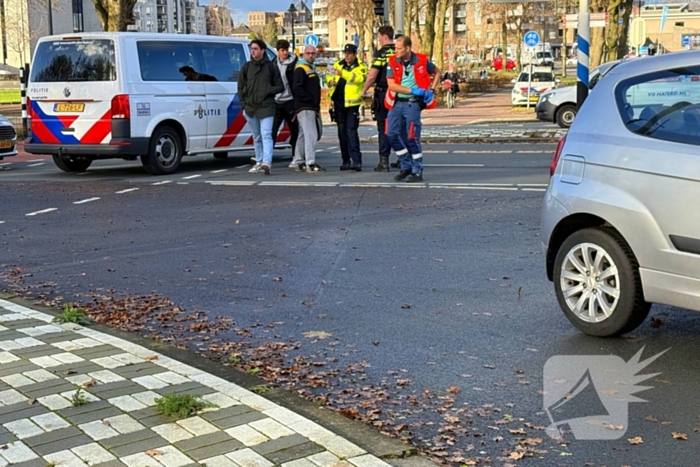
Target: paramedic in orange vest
<point x="410" y="91"/>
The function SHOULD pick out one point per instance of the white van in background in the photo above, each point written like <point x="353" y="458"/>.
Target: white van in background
<point x="121" y="95"/>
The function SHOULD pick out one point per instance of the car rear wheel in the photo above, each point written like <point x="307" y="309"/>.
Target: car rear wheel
<point x="597" y="283"/>
<point x="72" y="164"/>
<point x="565" y="116"/>
<point x="165" y="152"/>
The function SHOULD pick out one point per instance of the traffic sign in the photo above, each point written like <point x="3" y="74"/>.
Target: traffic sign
<point x="621" y="21"/>
<point x="643" y="50"/>
<point x="356" y="40"/>
<point x="531" y="38"/>
<point x="311" y="39"/>
<point x="686" y="41"/>
<point x="638" y="35"/>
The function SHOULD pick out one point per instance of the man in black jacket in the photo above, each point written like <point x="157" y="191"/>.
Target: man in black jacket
<point x="307" y="105"/>
<point x="284" y="112"/>
<point x="258" y="82"/>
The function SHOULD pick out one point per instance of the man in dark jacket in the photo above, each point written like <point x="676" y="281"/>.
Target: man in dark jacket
<point x="285" y="100"/>
<point x="258" y="82"/>
<point x="307" y="105"/>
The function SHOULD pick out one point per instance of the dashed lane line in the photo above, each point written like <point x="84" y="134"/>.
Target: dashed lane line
<point x="88" y="200"/>
<point x="453" y="165"/>
<point x="164" y="182"/>
<point x="43" y="211"/>
<point x="230" y="182"/>
<point x="2" y="222"/>
<point x="37" y="160"/>
<point x="455" y="186"/>
<point x="128" y="190"/>
<point x="37" y="164"/>
<point x="5" y="163"/>
<point x="485" y="151"/>
<point x="191" y="177"/>
<point x="218" y="171"/>
<point x="534" y="189"/>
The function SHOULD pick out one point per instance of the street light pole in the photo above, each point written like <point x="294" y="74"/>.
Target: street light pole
<point x="292" y="10"/>
<point x="50" y="7"/>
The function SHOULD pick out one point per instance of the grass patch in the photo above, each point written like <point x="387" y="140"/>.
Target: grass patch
<point x="261" y="389"/>
<point x="72" y="315"/>
<point x="10" y="96"/>
<point x="78" y="399"/>
<point x="234" y="359"/>
<point x="181" y="405"/>
<point x="253" y="371"/>
<point x="568" y="81"/>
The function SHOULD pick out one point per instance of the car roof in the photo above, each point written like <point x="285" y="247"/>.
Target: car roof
<point x="141" y="35"/>
<point x="655" y="63"/>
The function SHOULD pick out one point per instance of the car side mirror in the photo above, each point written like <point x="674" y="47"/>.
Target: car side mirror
<point x="513" y="81"/>
<point x="557" y="80"/>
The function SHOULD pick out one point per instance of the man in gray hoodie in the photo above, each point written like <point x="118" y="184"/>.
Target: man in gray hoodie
<point x="284" y="111"/>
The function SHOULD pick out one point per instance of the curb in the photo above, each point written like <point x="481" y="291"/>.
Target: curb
<point x="384" y="447"/>
<point x="468" y="140"/>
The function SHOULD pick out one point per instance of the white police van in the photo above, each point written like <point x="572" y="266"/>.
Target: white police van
<point x="121" y="95"/>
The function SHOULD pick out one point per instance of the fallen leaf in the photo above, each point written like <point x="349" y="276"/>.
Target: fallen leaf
<point x="651" y="418"/>
<point x="516" y="455"/>
<point x="405" y="306"/>
<point x="90" y="383"/>
<point x="31" y="401"/>
<point x="531" y="441"/>
<point x="375" y="343"/>
<point x="317" y="334"/>
<point x="677" y="435"/>
<point x="453" y="390"/>
<point x="277" y="279"/>
<point x="490" y="367"/>
<point x="150" y="358"/>
<point x="635" y="440"/>
<point x="519" y="431"/>
<point x="106" y="423"/>
<point x="608" y="426"/>
<point x="154" y="452"/>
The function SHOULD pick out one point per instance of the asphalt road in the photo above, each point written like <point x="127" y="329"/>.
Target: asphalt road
<point x="435" y="286"/>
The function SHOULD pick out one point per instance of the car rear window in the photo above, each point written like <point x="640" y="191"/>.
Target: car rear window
<point x="536" y="77"/>
<point x="663" y="105"/>
<point x="74" y="60"/>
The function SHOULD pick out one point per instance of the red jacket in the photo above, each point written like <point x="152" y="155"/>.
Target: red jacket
<point x="420" y="69"/>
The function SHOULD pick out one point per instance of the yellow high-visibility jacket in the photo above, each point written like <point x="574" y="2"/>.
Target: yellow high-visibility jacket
<point x="355" y="76"/>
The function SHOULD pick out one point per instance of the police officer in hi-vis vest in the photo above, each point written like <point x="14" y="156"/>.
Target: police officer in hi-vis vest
<point x="412" y="80"/>
<point x="377" y="78"/>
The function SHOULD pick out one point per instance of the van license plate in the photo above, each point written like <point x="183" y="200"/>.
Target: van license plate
<point x="68" y="107"/>
<point x="6" y="144"/>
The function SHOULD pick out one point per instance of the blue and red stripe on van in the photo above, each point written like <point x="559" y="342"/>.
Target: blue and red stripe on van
<point x="48" y="129"/>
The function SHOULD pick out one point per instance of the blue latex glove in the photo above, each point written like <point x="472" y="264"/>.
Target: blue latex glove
<point x="418" y="92"/>
<point x="429" y="94"/>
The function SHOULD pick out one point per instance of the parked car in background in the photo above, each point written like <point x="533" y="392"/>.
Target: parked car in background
<point x="619" y="227"/>
<point x="525" y="89"/>
<point x="497" y="64"/>
<point x="8" y="138"/>
<point x="543" y="59"/>
<point x="559" y="105"/>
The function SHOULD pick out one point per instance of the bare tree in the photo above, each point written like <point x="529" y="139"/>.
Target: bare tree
<point x="359" y="14"/>
<point x="18" y="36"/>
<point x="443" y="5"/>
<point x="218" y="16"/>
<point x="270" y="32"/>
<point x="115" y="15"/>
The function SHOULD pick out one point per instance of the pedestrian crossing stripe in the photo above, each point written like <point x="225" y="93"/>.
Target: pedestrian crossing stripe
<point x="453" y="186"/>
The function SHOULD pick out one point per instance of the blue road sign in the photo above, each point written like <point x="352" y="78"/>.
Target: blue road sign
<point x="531" y="38"/>
<point x="311" y="39"/>
<point x="686" y="41"/>
<point x="621" y="21"/>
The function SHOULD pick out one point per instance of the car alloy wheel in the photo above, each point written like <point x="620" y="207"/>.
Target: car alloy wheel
<point x="590" y="282"/>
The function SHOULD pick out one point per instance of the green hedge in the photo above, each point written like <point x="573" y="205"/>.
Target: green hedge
<point x="10" y="96"/>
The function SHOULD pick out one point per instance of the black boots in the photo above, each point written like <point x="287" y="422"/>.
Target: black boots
<point x="383" y="165"/>
<point x="402" y="175"/>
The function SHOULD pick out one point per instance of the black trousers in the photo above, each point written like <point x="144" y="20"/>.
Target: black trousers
<point x="348" y="120"/>
<point x="381" y="113"/>
<point x="285" y="112"/>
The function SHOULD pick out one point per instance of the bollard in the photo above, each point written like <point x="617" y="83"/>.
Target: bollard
<point x="584" y="45"/>
<point x="23" y="78"/>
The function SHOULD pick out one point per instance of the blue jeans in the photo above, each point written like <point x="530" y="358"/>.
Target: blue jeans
<point x="262" y="138"/>
<point x="404" y="135"/>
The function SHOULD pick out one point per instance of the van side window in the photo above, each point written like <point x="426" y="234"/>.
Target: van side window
<point x="162" y="60"/>
<point x="221" y="60"/>
<point x="663" y="105"/>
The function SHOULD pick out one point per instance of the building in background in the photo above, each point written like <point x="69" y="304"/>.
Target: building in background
<point x="681" y="26"/>
<point x="23" y="22"/>
<point x="257" y="20"/>
<point x="172" y="16"/>
<point x="219" y="20"/>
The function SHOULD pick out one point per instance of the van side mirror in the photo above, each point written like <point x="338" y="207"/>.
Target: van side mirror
<point x="513" y="81"/>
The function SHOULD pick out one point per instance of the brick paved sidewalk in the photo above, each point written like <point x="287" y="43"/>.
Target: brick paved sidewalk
<point x="42" y="364"/>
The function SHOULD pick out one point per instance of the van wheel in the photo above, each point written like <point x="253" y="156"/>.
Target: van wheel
<point x="71" y="164"/>
<point x="565" y="116"/>
<point x="165" y="152"/>
<point x="220" y="155"/>
<point x="597" y="283"/>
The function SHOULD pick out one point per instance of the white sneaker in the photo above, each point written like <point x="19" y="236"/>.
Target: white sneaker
<point x="256" y="169"/>
<point x="265" y="167"/>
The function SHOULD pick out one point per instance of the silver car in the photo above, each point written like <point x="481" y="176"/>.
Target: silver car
<point x="8" y="138"/>
<point x="620" y="225"/>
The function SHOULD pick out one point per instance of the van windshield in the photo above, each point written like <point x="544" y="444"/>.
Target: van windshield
<point x="536" y="77"/>
<point x="74" y="60"/>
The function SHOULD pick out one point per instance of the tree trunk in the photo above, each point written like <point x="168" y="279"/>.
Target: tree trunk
<point x="419" y="34"/>
<point x="440" y="36"/>
<point x="407" y="17"/>
<point x="430" y="14"/>
<point x="504" y="38"/>
<point x="115" y="15"/>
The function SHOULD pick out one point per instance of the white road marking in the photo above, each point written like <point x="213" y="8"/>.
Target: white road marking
<point x="332" y="148"/>
<point x="532" y="184"/>
<point x="183" y="183"/>
<point x="218" y="171"/>
<point x="526" y="151"/>
<point x="88" y="200"/>
<point x="453" y="165"/>
<point x="230" y="182"/>
<point x="475" y="187"/>
<point x="5" y="163"/>
<point x="43" y="211"/>
<point x="488" y="151"/>
<point x="164" y="182"/>
<point x="534" y="189"/>
<point x="2" y="222"/>
<point x="37" y="160"/>
<point x="191" y="177"/>
<point x="128" y="190"/>
<point x="37" y="164"/>
<point x="434" y="151"/>
<point x="319" y="150"/>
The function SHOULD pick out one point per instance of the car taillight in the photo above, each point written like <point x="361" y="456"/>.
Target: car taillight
<point x="557" y="154"/>
<point x="120" y="106"/>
